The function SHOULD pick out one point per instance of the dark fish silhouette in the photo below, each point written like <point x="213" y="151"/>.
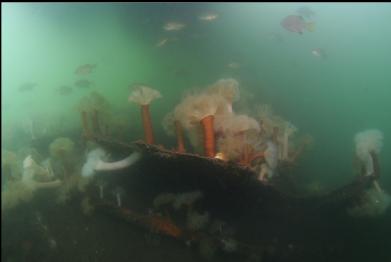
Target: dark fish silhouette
<point x="85" y="69"/>
<point x="64" y="90"/>
<point x="84" y="83"/>
<point x="29" y="86"/>
<point x="297" y="24"/>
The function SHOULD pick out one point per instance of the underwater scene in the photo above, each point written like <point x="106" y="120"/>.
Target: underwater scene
<point x="254" y="132"/>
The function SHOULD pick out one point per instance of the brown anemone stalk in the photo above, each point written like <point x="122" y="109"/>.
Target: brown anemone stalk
<point x="209" y="136"/>
<point x="95" y="121"/>
<point x="180" y="139"/>
<point x="147" y="124"/>
<point x="144" y="95"/>
<point x="246" y="155"/>
<point x="86" y="128"/>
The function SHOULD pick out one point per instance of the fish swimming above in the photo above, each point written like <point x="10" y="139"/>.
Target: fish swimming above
<point x="173" y="26"/>
<point x="64" y="90"/>
<point x="208" y="17"/>
<point x="28" y="86"/>
<point x="297" y="24"/>
<point x="162" y="42"/>
<point x="85" y="69"/>
<point x="84" y="83"/>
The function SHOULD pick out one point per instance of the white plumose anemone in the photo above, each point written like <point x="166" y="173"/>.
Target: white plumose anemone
<point x="95" y="162"/>
<point x="368" y="141"/>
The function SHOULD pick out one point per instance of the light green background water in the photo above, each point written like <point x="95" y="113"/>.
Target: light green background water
<point x="331" y="99"/>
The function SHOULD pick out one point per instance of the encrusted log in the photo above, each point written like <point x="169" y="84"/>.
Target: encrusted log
<point x="233" y="180"/>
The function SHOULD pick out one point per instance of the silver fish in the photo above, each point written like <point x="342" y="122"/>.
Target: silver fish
<point x="208" y="17"/>
<point x="174" y="26"/>
<point x="319" y="52"/>
<point x="162" y="42"/>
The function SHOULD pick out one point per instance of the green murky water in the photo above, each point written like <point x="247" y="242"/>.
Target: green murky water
<point x="331" y="81"/>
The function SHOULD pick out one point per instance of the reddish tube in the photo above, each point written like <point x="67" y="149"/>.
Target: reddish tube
<point x="209" y="136"/>
<point x="147" y="123"/>
<point x="179" y="137"/>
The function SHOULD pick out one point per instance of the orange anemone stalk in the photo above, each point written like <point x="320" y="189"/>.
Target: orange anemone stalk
<point x="147" y="123"/>
<point x="179" y="137"/>
<point x="209" y="136"/>
<point x="143" y="96"/>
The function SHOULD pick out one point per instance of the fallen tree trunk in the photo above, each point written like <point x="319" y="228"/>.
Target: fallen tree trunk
<point x="215" y="175"/>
